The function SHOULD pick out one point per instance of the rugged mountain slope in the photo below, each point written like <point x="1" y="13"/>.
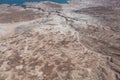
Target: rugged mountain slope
<point x="104" y="39"/>
<point x="113" y="3"/>
<point x="74" y="43"/>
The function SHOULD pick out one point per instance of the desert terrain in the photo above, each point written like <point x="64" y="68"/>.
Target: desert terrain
<point x="51" y="41"/>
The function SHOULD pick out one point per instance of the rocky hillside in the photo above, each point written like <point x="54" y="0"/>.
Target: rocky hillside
<point x="50" y="41"/>
<point x="113" y="3"/>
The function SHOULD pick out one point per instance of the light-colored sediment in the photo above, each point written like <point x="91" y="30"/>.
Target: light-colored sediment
<point x="59" y="42"/>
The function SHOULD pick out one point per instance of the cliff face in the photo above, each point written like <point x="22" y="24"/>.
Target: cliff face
<point x="60" y="42"/>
